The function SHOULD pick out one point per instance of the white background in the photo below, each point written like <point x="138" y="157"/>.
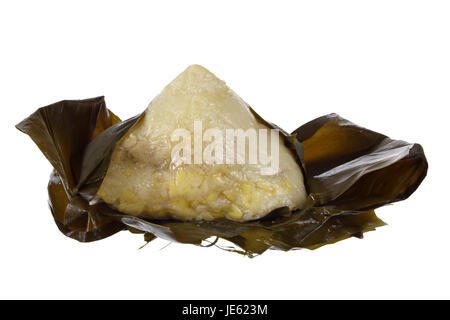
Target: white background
<point x="382" y="64"/>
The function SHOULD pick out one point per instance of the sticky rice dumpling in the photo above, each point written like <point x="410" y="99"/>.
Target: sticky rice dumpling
<point x="183" y="159"/>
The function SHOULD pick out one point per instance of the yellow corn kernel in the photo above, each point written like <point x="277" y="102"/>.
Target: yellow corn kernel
<point x="234" y="212"/>
<point x="264" y="186"/>
<point x="181" y="177"/>
<point x="247" y="192"/>
<point x="130" y="202"/>
<point x="287" y="185"/>
<point x="173" y="191"/>
<point x="211" y="198"/>
<point x="182" y="204"/>
<point x="216" y="214"/>
<point x="128" y="171"/>
<point x="231" y="194"/>
<point x="220" y="179"/>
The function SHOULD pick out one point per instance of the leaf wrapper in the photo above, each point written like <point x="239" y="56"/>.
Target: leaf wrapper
<point x="62" y="131"/>
<point x="349" y="167"/>
<point x="348" y="171"/>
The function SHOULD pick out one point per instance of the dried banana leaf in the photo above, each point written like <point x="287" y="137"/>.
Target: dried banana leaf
<point x="349" y="167"/>
<point x="62" y="131"/>
<point x="349" y="171"/>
